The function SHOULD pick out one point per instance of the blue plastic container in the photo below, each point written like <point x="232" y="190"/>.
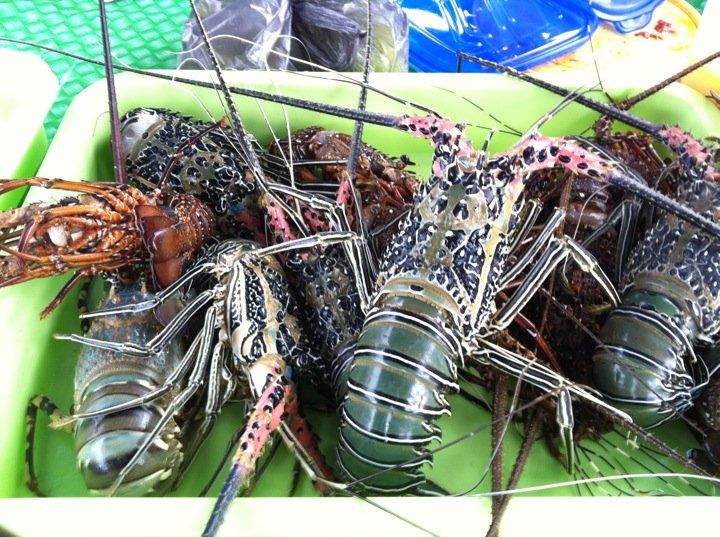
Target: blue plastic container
<point x="625" y="15"/>
<point x="518" y="33"/>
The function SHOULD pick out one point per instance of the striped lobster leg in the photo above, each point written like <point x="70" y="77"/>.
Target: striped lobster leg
<point x="42" y="403"/>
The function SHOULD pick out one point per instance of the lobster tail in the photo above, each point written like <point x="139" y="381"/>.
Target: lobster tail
<point x="105" y="444"/>
<point x="641" y="365"/>
<point x="403" y="366"/>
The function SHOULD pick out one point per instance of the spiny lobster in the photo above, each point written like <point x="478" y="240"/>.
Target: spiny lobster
<point x="249" y="335"/>
<point x="646" y="363"/>
<point x="106" y="227"/>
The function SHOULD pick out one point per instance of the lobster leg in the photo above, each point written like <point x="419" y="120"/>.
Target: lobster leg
<point x="69" y="214"/>
<point x="300" y="439"/>
<point x="547" y="380"/>
<point x="155" y="344"/>
<point x="566" y="423"/>
<point x="356" y="250"/>
<point x="499" y="426"/>
<point x="213" y="401"/>
<point x="201" y="363"/>
<point x="72" y="282"/>
<point x="265" y="418"/>
<point x="626" y="214"/>
<point x="171" y="382"/>
<point x="557" y="251"/>
<point x="70" y="260"/>
<point x="159" y="298"/>
<point x="39" y="402"/>
<point x="528" y="441"/>
<point x="541" y="240"/>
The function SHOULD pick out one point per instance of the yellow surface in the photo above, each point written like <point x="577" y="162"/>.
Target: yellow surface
<point x="645" y="57"/>
<point x="706" y="42"/>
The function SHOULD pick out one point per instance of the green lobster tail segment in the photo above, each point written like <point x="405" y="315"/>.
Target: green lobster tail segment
<point x="149" y="475"/>
<point x="403" y="365"/>
<point x="387" y="481"/>
<point x="107" y="443"/>
<point x="664" y="294"/>
<point x="640" y="366"/>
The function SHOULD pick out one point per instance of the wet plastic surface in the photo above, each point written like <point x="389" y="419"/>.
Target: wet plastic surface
<point x="625" y="15"/>
<point x="26" y="94"/>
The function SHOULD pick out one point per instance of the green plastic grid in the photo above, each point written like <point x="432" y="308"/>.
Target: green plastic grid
<point x="144" y="34"/>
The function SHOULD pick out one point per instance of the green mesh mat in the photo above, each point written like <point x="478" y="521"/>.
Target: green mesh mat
<point x="144" y="33"/>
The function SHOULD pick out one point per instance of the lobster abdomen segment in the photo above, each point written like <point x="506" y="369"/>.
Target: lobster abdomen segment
<point x="106" y="444"/>
<point x="403" y="365"/>
<point x="641" y="365"/>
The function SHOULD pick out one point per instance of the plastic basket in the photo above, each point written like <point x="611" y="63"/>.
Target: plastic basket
<point x="27" y="91"/>
<point x="35" y="363"/>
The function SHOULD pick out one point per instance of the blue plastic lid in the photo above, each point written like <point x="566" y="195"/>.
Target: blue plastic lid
<point x="625" y="15"/>
<point x="518" y="33"/>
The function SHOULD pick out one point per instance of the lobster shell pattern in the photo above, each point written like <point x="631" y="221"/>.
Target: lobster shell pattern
<point x="329" y="298"/>
<point x="385" y="185"/>
<point x="191" y="157"/>
<point x="447" y="238"/>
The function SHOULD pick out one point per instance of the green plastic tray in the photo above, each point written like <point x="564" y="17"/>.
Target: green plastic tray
<point x="26" y="93"/>
<point x="35" y="363"/>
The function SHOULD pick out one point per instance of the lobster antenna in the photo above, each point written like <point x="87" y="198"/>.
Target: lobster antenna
<point x="600" y="479"/>
<point x="630" y="182"/>
<point x="384" y="120"/>
<point x="342" y="77"/>
<point x="362" y="102"/>
<point x="528" y="441"/>
<point x="625" y="117"/>
<point x="388" y="120"/>
<point x="115" y="135"/>
<point x="663" y="202"/>
<point x="356" y="143"/>
<point x="374" y="118"/>
<point x="596" y="66"/>
<point x="246" y="145"/>
<point x="632" y="101"/>
<point x="567" y="99"/>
